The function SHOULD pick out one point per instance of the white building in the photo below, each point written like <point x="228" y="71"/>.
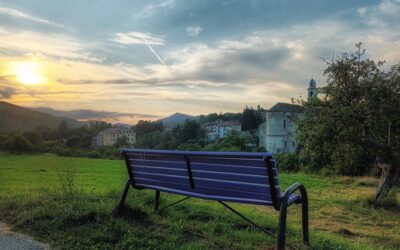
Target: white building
<point x="109" y="136"/>
<point x="278" y="133"/>
<point x="280" y="128"/>
<point x="219" y="129"/>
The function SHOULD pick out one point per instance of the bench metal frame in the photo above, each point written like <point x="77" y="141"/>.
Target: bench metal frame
<point x="279" y="203"/>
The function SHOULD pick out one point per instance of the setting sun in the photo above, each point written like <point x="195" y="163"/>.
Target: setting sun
<point x="28" y="73"/>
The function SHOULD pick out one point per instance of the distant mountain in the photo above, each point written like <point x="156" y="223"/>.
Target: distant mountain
<point x="175" y="119"/>
<point x="124" y="125"/>
<point x="16" y="118"/>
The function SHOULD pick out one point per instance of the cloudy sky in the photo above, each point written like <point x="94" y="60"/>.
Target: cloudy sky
<point x="147" y="59"/>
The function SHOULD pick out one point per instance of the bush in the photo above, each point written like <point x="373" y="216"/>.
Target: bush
<point x="17" y="144"/>
<point x="36" y="140"/>
<point x="288" y="162"/>
<point x="93" y="154"/>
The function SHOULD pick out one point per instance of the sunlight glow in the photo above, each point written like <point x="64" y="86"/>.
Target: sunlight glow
<point x="28" y="73"/>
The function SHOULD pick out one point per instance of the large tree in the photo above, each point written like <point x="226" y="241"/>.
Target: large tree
<point x="355" y="121"/>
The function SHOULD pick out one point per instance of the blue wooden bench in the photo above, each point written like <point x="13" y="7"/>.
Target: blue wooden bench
<point x="250" y="178"/>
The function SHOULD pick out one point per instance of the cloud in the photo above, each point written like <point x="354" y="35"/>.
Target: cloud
<point x="19" y="14"/>
<point x="141" y="38"/>
<point x="138" y="38"/>
<point x="262" y="66"/>
<point x="54" y="45"/>
<point x="152" y="9"/>
<point x="193" y="30"/>
<point x="87" y="114"/>
<point x="7" y="92"/>
<point x="383" y="15"/>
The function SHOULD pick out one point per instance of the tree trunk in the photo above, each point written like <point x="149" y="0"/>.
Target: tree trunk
<point x="389" y="178"/>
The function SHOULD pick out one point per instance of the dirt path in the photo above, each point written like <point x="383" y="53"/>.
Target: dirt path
<point x="10" y="240"/>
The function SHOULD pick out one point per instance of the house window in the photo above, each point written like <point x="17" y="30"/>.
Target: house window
<point x="285" y="144"/>
<point x="293" y="144"/>
<point x="284" y="123"/>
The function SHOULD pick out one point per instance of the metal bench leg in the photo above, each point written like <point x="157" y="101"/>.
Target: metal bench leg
<point x="157" y="200"/>
<point x="282" y="226"/>
<point x="304" y="216"/>
<point x="121" y="204"/>
<point x="283" y="214"/>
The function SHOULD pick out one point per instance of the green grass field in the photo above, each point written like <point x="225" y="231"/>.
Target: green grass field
<point x="33" y="201"/>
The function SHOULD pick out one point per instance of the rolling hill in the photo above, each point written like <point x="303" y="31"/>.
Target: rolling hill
<point x="16" y="118"/>
<point x="175" y="119"/>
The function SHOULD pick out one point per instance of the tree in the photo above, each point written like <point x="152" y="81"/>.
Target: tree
<point x="191" y="130"/>
<point x="145" y="127"/>
<point x="46" y="132"/>
<point x="251" y="118"/>
<point x="17" y="144"/>
<point x="62" y="129"/>
<point x="122" y="141"/>
<point x="36" y="140"/>
<point x="86" y="141"/>
<point x="73" y="142"/>
<point x="356" y="121"/>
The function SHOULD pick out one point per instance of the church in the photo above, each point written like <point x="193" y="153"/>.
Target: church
<point x="278" y="133"/>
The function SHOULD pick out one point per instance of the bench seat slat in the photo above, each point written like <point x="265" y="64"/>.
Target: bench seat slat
<point x="259" y="179"/>
<point x="164" y="164"/>
<point x="204" y="166"/>
<point x="208" y="196"/>
<point x="256" y="162"/>
<point x="232" y="169"/>
<point x="204" y="189"/>
<point x="234" y="185"/>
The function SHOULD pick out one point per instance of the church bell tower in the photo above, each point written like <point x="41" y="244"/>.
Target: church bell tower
<point x="312" y="89"/>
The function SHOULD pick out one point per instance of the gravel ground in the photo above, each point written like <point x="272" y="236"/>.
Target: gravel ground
<point x="15" y="241"/>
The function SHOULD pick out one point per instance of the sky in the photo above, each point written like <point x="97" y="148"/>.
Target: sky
<point x="123" y="61"/>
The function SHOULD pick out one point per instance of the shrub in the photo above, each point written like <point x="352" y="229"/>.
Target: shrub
<point x="288" y="162"/>
<point x="93" y="154"/>
<point x="17" y="144"/>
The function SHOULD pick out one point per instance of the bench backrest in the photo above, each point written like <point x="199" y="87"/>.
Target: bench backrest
<point x="226" y="176"/>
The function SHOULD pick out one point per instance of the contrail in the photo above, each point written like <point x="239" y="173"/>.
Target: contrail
<point x="20" y="14"/>
<point x="155" y="53"/>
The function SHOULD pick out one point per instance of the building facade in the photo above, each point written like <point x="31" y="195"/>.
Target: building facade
<point x="278" y="133"/>
<point x="219" y="129"/>
<point x="109" y="137"/>
<point x="280" y="128"/>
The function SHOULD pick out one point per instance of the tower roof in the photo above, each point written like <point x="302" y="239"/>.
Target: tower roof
<point x="312" y="83"/>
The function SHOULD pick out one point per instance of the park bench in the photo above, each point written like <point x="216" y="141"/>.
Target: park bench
<point x="241" y="177"/>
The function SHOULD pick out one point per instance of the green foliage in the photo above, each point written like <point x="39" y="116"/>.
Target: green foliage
<point x="251" y="118"/>
<point x="17" y="144"/>
<point x="233" y="142"/>
<point x="95" y="127"/>
<point x="86" y="141"/>
<point x="122" y="141"/>
<point x="359" y="97"/>
<point x="47" y="133"/>
<point x="145" y="127"/>
<point x="62" y="129"/>
<point x="191" y="130"/>
<point x="288" y="162"/>
<point x="221" y="116"/>
<point x="67" y="178"/>
<point x="36" y="140"/>
<point x="73" y="142"/>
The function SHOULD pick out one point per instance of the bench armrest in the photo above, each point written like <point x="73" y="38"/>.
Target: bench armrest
<point x="291" y="190"/>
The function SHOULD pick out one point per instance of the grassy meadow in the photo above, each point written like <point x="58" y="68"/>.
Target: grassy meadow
<point x="67" y="202"/>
